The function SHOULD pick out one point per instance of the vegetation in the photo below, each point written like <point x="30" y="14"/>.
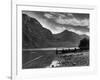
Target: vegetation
<point x="84" y="44"/>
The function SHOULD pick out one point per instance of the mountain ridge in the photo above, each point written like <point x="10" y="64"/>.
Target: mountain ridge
<point x="34" y="35"/>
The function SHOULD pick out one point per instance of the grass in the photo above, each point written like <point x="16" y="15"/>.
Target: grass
<point x="81" y="59"/>
<point x="47" y="57"/>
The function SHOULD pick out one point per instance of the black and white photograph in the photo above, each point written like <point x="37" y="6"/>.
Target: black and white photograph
<point x="55" y="39"/>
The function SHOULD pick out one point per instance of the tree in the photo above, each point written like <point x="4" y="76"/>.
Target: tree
<point x="84" y="44"/>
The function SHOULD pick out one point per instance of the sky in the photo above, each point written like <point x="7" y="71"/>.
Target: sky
<point x="57" y="22"/>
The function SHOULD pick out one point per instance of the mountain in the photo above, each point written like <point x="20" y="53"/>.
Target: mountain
<point x="34" y="35"/>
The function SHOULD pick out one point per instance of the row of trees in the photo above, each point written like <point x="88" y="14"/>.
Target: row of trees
<point x="83" y="45"/>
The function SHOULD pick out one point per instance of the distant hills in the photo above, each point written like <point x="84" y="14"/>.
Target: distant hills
<point x="34" y="35"/>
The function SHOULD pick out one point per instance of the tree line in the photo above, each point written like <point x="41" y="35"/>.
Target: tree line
<point x="83" y="45"/>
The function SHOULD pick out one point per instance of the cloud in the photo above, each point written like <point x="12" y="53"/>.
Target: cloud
<point x="57" y="30"/>
<point x="72" y="21"/>
<point x="58" y="22"/>
<point x="49" y="16"/>
<point x="78" y="32"/>
<point x="67" y="19"/>
<point x="70" y="15"/>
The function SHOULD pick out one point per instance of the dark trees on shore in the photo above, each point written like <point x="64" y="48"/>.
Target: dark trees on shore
<point x="84" y="44"/>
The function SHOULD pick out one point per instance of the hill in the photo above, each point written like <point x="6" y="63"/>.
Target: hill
<point x="34" y="35"/>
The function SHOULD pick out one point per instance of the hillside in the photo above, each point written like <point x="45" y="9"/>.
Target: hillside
<point x="34" y="35"/>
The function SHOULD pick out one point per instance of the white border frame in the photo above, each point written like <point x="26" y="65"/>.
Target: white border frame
<point x="18" y="73"/>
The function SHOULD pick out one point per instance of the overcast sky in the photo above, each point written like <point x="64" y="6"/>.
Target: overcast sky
<point x="58" y="22"/>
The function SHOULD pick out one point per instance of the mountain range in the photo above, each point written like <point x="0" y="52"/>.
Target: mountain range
<point x="34" y="35"/>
